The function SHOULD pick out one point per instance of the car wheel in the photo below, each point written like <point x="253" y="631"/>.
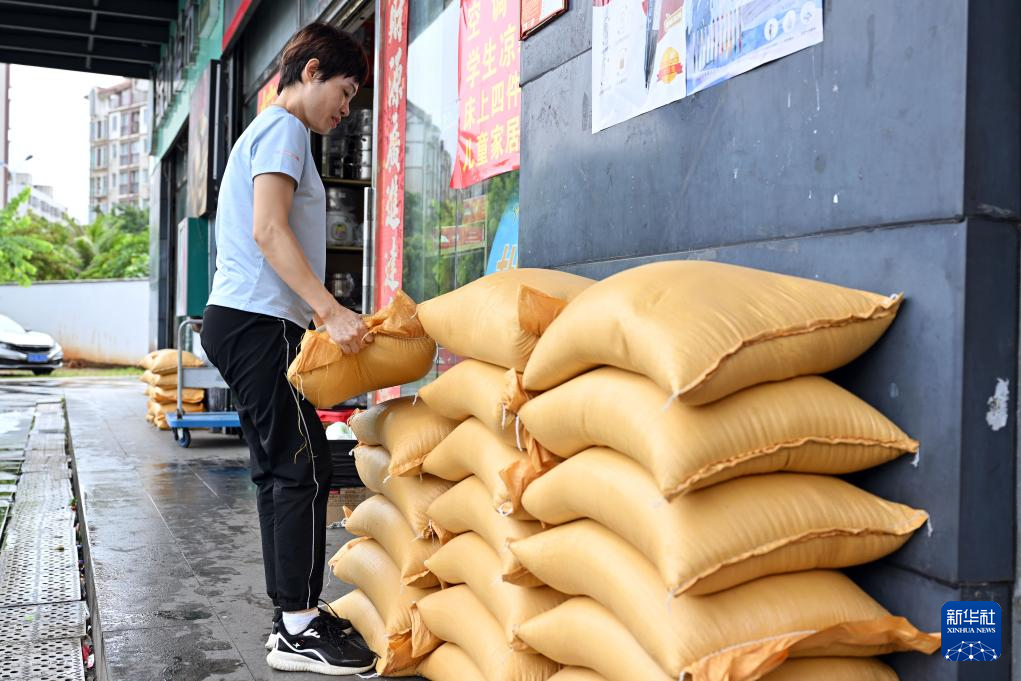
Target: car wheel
<point x="42" y="372"/>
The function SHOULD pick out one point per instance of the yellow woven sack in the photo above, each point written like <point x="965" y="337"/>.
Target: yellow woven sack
<point x="169" y="395"/>
<point x="473" y="449"/>
<point x="394" y="652"/>
<point x="806" y="425"/>
<point x="400" y="352"/>
<point x="471" y="388"/>
<point x="729" y="534"/>
<point x="449" y="663"/>
<point x="456" y="615"/>
<point x="407" y="428"/>
<point x="807" y="669"/>
<point x="411" y="496"/>
<point x="363" y="563"/>
<point x="833" y="669"/>
<point x="159" y="380"/>
<point x="468" y="559"/>
<point x="162" y="362"/>
<point x="467" y="507"/>
<point x="750" y="627"/>
<point x="157" y="408"/>
<point x="376" y="517"/>
<point x="704" y="330"/>
<point x="499" y="318"/>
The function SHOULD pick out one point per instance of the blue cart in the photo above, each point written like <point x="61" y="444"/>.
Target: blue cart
<point x="182" y="424"/>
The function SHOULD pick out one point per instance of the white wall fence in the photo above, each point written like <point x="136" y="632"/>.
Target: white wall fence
<point x="104" y="321"/>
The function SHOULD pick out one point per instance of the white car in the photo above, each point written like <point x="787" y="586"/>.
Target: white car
<point x="31" y="350"/>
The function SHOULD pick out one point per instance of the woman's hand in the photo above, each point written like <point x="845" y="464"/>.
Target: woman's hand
<point x="347" y="329"/>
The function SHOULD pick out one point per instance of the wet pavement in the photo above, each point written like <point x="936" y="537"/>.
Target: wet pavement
<point x="174" y="537"/>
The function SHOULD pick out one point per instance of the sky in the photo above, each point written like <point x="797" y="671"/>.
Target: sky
<point x="50" y="121"/>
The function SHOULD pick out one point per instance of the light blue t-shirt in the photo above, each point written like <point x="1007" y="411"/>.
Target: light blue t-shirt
<point x="275" y="142"/>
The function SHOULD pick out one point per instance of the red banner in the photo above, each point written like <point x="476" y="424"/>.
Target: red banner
<point x="489" y="91"/>
<point x="390" y="174"/>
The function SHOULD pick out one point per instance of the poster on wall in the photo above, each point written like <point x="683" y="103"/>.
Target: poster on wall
<point x="638" y="57"/>
<point x="489" y="91"/>
<point x="648" y="53"/>
<point x="199" y="145"/>
<point x="729" y="37"/>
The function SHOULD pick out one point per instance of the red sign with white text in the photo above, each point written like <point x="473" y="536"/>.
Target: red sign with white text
<point x="489" y="91"/>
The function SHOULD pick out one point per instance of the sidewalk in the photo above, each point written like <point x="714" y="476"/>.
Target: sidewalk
<point x="174" y="539"/>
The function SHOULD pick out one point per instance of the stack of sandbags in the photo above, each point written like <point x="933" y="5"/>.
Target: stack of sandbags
<point x="493" y="323"/>
<point x="386" y="562"/>
<point x="400" y="352"/>
<point x="683" y="524"/>
<point x="160" y="378"/>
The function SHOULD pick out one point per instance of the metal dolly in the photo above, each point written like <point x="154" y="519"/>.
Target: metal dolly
<point x="182" y="424"/>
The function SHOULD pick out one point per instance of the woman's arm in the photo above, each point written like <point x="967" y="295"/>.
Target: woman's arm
<point x="274" y="193"/>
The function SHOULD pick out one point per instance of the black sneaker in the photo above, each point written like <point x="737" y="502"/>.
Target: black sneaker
<point x="278" y="617"/>
<point x="333" y="620"/>
<point x="318" y="649"/>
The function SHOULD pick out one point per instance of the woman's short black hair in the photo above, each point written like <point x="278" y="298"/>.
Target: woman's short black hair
<point x="338" y="52"/>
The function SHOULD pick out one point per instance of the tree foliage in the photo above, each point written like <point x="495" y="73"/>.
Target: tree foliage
<point x="32" y="248"/>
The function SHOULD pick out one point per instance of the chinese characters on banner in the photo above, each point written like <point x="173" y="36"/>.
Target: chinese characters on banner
<point x="489" y="91"/>
<point x="392" y="77"/>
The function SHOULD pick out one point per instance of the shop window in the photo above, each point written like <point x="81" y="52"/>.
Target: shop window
<point x="448" y="233"/>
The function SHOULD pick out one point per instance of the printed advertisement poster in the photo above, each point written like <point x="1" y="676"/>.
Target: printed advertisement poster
<point x="489" y="91"/>
<point x="648" y="53"/>
<point x="638" y="49"/>
<point x="729" y="37"/>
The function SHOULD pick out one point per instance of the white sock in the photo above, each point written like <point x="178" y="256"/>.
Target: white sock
<point x="297" y="622"/>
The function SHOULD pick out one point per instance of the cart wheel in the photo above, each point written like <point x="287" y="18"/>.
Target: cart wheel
<point x="185" y="439"/>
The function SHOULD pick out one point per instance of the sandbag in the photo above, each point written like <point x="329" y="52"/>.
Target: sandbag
<point x="158" y="408"/>
<point x="806" y="425"/>
<point x="456" y="615"/>
<point x="159" y="380"/>
<point x="169" y="395"/>
<point x="468" y="559"/>
<point x="406" y="428"/>
<point x="729" y="534"/>
<point x="363" y="563"/>
<point x="394" y="652"/>
<point x="704" y="330"/>
<point x="473" y="449"/>
<point x="498" y="318"/>
<point x="378" y="518"/>
<point x="832" y="669"/>
<point x="806" y="669"/>
<point x="450" y="663"/>
<point x="162" y="362"/>
<point x="749" y="627"/>
<point x="400" y="353"/>
<point x="466" y="507"/>
<point x="411" y="496"/>
<point x="471" y="388"/>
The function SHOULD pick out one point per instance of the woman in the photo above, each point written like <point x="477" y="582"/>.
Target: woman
<point x="268" y="287"/>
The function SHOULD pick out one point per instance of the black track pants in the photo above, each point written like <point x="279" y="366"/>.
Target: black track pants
<point x="289" y="453"/>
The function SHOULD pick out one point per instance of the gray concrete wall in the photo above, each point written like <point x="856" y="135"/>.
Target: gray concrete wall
<point x="886" y="158"/>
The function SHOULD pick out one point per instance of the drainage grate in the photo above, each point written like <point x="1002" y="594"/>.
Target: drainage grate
<point x="33" y="572"/>
<point x="50" y="661"/>
<point x="50" y="421"/>
<point x="42" y="524"/>
<point x="56" y="468"/>
<point x="44" y="485"/>
<point x="43" y="622"/>
<point x="47" y="443"/>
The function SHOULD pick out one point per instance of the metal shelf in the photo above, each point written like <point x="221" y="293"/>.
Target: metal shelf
<point x="341" y="182"/>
